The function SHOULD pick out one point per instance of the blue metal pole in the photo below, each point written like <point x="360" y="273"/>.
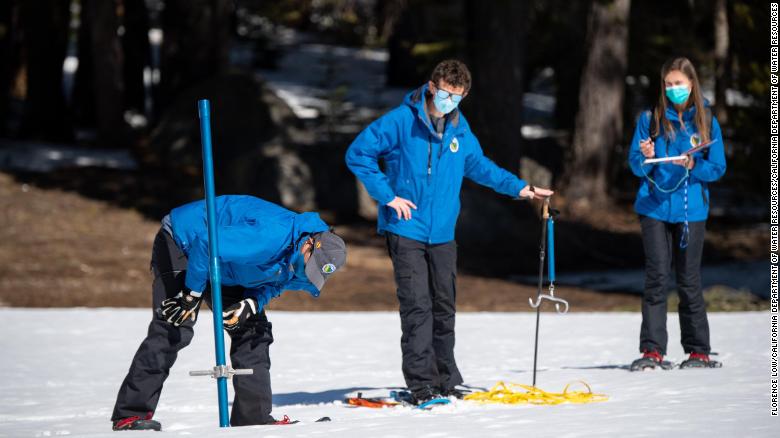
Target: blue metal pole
<point x="216" y="279"/>
<point x="551" y="249"/>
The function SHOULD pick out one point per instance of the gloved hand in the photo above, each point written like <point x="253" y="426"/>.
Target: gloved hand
<point x="237" y="314"/>
<point x="178" y="309"/>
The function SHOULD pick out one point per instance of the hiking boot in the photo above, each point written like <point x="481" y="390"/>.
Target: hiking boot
<point x="455" y="392"/>
<point x="284" y="421"/>
<point x="700" y="360"/>
<point x="424" y="394"/>
<point x="137" y="423"/>
<point x="650" y="360"/>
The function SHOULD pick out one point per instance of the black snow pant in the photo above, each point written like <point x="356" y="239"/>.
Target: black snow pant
<point x="425" y="277"/>
<point x="140" y="391"/>
<point x="662" y="250"/>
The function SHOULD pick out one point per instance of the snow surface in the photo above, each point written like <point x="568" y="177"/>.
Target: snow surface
<point x="46" y="157"/>
<point x="308" y="74"/>
<point x="61" y="370"/>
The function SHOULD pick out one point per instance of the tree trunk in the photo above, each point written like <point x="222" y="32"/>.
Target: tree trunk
<point x="388" y="13"/>
<point x="721" y="59"/>
<point x="495" y="38"/>
<point x="401" y="68"/>
<point x="569" y="61"/>
<point x="8" y="65"/>
<point x="135" y="44"/>
<point x="45" y="27"/>
<point x="107" y="67"/>
<point x="195" y="44"/>
<point x="83" y="97"/>
<point x="599" y="122"/>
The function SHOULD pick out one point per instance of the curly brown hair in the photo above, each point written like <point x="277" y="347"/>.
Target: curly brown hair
<point x="452" y="72"/>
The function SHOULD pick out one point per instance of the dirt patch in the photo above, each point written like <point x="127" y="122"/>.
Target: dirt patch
<point x="60" y="249"/>
<point x="367" y="284"/>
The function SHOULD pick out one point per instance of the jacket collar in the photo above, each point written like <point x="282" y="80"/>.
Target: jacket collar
<point x="687" y="115"/>
<point x="308" y="223"/>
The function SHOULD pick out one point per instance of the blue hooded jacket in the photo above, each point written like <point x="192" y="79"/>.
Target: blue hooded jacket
<point x="709" y="166"/>
<point x="423" y="167"/>
<point x="257" y="240"/>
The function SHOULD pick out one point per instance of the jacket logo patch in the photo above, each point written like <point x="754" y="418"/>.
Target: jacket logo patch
<point x="329" y="268"/>
<point x="454" y="146"/>
<point x="695" y="140"/>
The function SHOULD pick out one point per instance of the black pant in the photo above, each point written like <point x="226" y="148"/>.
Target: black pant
<point x="140" y="391"/>
<point x="425" y="276"/>
<point x="662" y="249"/>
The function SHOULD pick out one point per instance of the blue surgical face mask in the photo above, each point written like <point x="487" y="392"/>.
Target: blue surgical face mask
<point x="300" y="281"/>
<point x="298" y="266"/>
<point x="678" y="94"/>
<point x="446" y="102"/>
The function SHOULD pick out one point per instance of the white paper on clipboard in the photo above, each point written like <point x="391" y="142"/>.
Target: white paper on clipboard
<point x="664" y="159"/>
<point x="685" y="155"/>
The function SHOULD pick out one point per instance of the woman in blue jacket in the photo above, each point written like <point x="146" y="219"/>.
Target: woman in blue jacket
<point x="673" y="203"/>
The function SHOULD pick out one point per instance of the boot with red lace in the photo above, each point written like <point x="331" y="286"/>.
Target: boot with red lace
<point x="700" y="360"/>
<point x="650" y="360"/>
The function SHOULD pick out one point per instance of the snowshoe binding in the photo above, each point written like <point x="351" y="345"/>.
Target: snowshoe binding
<point x="137" y="423"/>
<point x="455" y="392"/>
<point x="284" y="421"/>
<point x="700" y="360"/>
<point x="650" y="360"/>
<point x="424" y="397"/>
<point x="370" y="402"/>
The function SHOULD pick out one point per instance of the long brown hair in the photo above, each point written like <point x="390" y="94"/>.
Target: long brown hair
<point x="685" y="66"/>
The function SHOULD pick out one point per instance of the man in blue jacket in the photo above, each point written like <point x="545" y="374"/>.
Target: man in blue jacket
<point x="264" y="250"/>
<point x="427" y="148"/>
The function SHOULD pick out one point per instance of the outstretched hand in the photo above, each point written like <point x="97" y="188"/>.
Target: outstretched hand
<point x="403" y="207"/>
<point x="531" y="192"/>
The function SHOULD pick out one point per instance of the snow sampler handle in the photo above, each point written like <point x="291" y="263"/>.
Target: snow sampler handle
<point x="548" y="233"/>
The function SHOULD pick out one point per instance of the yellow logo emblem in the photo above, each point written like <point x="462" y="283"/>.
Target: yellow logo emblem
<point x="695" y="140"/>
<point x="454" y="146"/>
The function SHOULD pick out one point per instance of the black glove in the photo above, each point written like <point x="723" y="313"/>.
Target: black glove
<point x="178" y="309"/>
<point x="237" y="314"/>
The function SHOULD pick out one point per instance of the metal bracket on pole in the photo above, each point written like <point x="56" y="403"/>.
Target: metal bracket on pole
<point x="550" y="297"/>
<point x="222" y="371"/>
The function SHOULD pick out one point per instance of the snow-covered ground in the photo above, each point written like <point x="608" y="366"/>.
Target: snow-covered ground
<point x="46" y="157"/>
<point x="61" y="370"/>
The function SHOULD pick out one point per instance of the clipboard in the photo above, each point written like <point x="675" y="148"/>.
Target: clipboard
<point x="683" y="156"/>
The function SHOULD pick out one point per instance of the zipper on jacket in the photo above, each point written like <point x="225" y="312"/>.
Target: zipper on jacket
<point x="704" y="195"/>
<point x="430" y="152"/>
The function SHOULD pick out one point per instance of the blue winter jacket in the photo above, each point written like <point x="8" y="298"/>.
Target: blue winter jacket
<point x="423" y="167"/>
<point x="257" y="239"/>
<point x="709" y="166"/>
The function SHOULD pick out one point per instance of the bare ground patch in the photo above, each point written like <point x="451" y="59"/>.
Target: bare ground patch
<point x="60" y="249"/>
